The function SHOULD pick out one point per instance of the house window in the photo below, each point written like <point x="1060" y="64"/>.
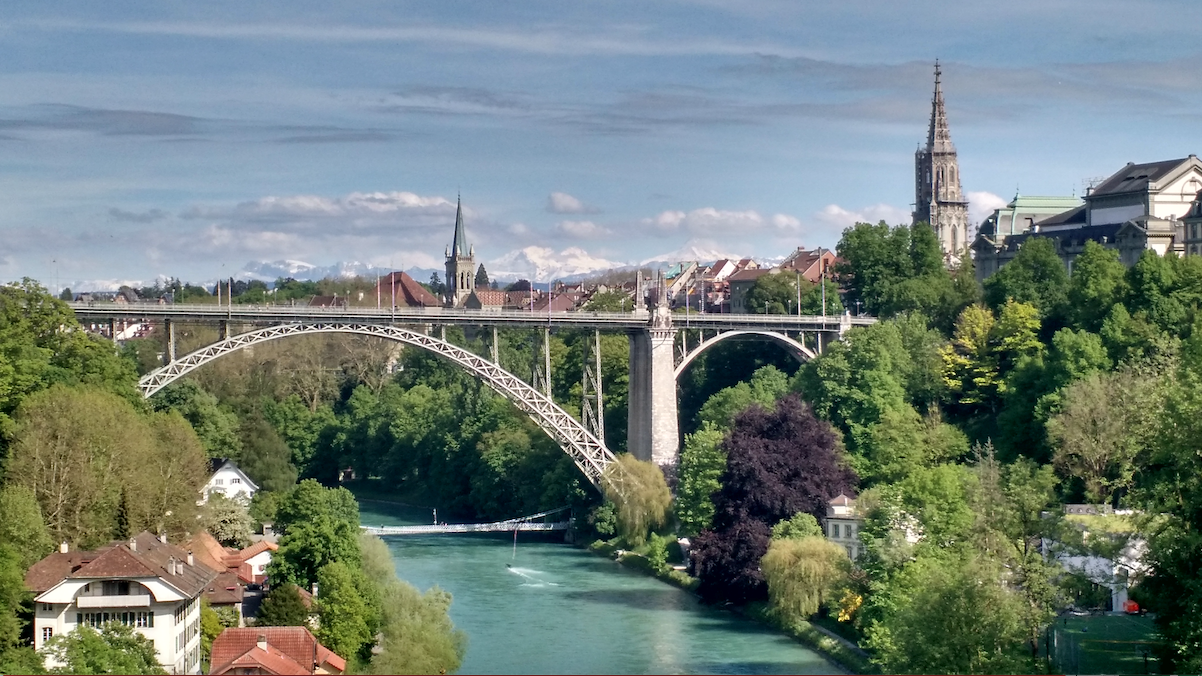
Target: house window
<point x="47" y="633"/>
<point x="834" y="530"/>
<point x="48" y="607"/>
<point x="235" y="480"/>
<point x="218" y="482"/>
<point x="116" y="588"/>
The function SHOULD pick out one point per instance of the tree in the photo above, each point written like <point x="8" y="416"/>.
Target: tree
<point x="343" y="627"/>
<point x="66" y="294"/>
<point x="767" y="384"/>
<point x="418" y="635"/>
<point x="1098" y="282"/>
<point x="227" y="521"/>
<point x="12" y="595"/>
<point x="779" y="463"/>
<point x="216" y="427"/>
<point x="779" y="293"/>
<point x="895" y="270"/>
<point x="319" y="526"/>
<point x="800" y="526"/>
<point x="615" y="300"/>
<point x="1105" y="421"/>
<point x="970" y="370"/>
<point x="436" y="286"/>
<point x="481" y="277"/>
<point x="702" y="463"/>
<point x="114" y="649"/>
<point x="21" y="521"/>
<point x="265" y="457"/>
<point x="640" y="496"/>
<point x="803" y="574"/>
<point x="1036" y="276"/>
<point x="283" y="607"/>
<point x="953" y="618"/>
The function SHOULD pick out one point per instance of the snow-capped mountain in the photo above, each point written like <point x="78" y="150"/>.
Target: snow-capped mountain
<point x="702" y="251"/>
<point x="546" y="264"/>
<point x="269" y="271"/>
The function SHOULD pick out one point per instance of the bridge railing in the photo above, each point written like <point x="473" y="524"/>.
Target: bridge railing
<point x="438" y="315"/>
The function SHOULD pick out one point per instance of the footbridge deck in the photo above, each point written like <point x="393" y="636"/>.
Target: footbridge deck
<point x="524" y="523"/>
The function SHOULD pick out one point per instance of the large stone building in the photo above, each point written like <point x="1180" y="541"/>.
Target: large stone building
<point x="1016" y="218"/>
<point x="1140" y="207"/>
<point x="938" y="199"/>
<point x="461" y="264"/>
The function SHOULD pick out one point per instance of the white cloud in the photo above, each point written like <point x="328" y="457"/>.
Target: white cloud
<point x="563" y="203"/>
<point x="837" y="216"/>
<point x="583" y="229"/>
<point x="980" y="205"/>
<point x="786" y="224"/>
<point x="518" y="229"/>
<point x="707" y="221"/>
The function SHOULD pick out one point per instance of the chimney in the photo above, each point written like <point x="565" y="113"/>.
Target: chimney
<point x="171" y="565"/>
<point x="191" y="561"/>
<point x="163" y="538"/>
<point x="63" y="548"/>
<point x="133" y="544"/>
<point x="262" y="642"/>
<point x="313" y="590"/>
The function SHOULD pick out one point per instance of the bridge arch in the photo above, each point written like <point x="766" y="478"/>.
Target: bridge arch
<point x="796" y="348"/>
<point x="589" y="453"/>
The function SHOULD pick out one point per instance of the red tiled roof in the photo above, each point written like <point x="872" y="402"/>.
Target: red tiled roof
<point x="225" y="589"/>
<point x="747" y="275"/>
<point x="206" y="549"/>
<point x="491" y="297"/>
<point x="408" y="292"/>
<point x="294" y="644"/>
<point x="149" y="558"/>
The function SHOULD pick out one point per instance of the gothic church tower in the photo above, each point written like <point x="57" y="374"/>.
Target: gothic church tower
<point x="461" y="264"/>
<point x="937" y="196"/>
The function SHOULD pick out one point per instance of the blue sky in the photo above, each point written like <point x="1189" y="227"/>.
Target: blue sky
<point x="186" y="139"/>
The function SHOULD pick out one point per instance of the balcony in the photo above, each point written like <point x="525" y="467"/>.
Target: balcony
<point x="130" y="601"/>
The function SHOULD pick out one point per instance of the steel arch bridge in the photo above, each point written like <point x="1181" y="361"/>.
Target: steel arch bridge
<point x="796" y="348"/>
<point x="589" y="453"/>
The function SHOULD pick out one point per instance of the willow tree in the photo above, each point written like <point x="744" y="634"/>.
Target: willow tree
<point x="803" y="573"/>
<point x="640" y="496"/>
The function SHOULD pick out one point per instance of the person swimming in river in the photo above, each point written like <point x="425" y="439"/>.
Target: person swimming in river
<point x="508" y="566"/>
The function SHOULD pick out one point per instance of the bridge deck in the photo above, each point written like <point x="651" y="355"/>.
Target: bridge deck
<point x="501" y="527"/>
<point x="276" y="314"/>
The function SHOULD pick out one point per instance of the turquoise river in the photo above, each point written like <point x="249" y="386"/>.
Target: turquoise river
<point x="547" y="607"/>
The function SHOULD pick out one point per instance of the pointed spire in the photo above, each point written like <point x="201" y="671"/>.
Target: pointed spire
<point x="939" y="138"/>
<point x="459" y="245"/>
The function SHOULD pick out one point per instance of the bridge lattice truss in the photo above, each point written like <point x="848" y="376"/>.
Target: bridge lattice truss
<point x="589" y="453"/>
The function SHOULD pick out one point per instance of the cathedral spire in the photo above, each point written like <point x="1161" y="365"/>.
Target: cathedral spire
<point x="939" y="137"/>
<point x="459" y="244"/>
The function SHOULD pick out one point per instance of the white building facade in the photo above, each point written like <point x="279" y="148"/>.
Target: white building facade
<point x="229" y="480"/>
<point x="144" y="583"/>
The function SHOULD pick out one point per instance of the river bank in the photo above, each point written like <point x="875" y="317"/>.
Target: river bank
<point x="835" y="648"/>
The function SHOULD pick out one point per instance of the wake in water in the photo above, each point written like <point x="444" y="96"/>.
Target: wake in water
<point x="531" y="576"/>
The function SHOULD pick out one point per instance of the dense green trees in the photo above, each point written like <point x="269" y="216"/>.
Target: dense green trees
<point x="640" y="497"/>
<point x="113" y="649"/>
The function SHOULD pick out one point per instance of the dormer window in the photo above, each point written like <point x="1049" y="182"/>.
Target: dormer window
<point x="235" y="480"/>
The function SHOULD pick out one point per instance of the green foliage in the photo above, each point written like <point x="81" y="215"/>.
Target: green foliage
<point x="803" y="573"/>
<point x="12" y="595"/>
<point x="265" y="457"/>
<point x="657" y="552"/>
<point x="113" y="451"/>
<point x="343" y="627"/>
<point x="216" y="427"/>
<point x="1036" y="276"/>
<point x="1098" y="282"/>
<point x="114" y="649"/>
<point x="951" y="617"/>
<point x="318" y="526"/>
<point x="481" y="277"/>
<point x="799" y="526"/>
<point x="640" y="496"/>
<point x="702" y="463"/>
<point x="212" y="623"/>
<point x="780" y="292"/>
<point x="766" y="386"/>
<point x="283" y="607"/>
<point x="896" y="270"/>
<point x="604" y="519"/>
<point x="21" y="522"/>
<point x="609" y="301"/>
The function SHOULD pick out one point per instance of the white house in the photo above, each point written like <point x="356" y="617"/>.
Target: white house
<point x="843" y="524"/>
<point x="144" y="583"/>
<point x="229" y="480"/>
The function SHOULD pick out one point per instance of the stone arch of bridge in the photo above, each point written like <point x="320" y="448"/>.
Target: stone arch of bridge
<point x="589" y="453"/>
<point x="795" y="347"/>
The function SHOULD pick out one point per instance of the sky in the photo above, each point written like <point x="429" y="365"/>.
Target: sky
<point x="149" y="139"/>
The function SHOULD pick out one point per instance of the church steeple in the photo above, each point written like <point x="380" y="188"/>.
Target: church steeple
<point x="461" y="263"/>
<point x="939" y="137"/>
<point x="938" y="199"/>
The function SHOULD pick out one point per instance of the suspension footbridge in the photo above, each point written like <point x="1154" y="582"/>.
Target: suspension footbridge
<point x="524" y="523"/>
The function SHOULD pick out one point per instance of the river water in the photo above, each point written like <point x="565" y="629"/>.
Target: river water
<point x="547" y="607"/>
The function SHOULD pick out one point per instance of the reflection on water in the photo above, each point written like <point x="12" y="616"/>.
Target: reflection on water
<point x="550" y="608"/>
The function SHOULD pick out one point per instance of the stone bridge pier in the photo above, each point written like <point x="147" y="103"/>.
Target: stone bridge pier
<point x="653" y="431"/>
